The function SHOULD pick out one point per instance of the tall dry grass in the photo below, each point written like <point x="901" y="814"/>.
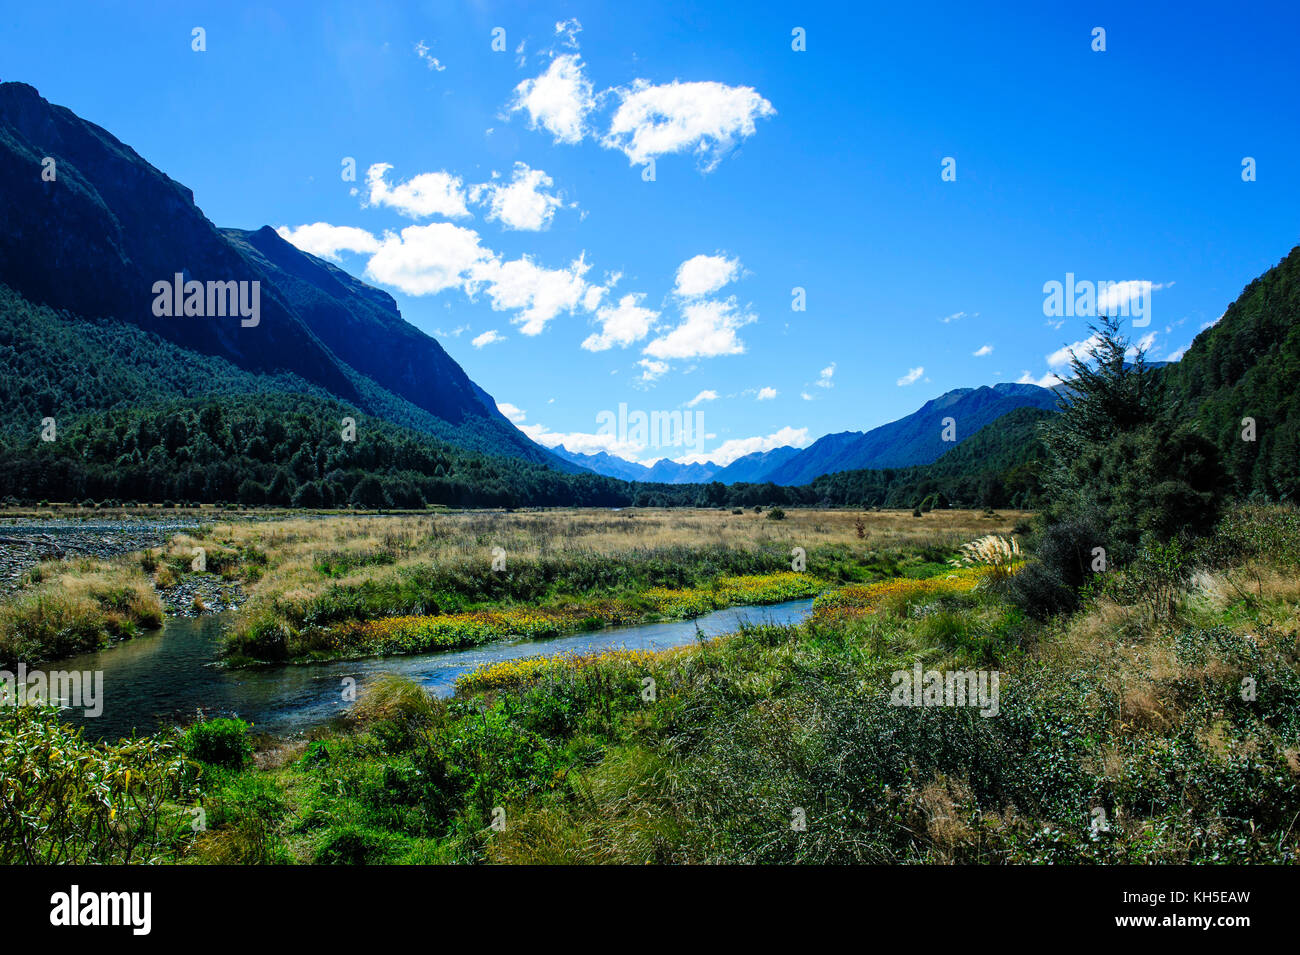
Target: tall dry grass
<point x="73" y="606"/>
<point x="371" y="547"/>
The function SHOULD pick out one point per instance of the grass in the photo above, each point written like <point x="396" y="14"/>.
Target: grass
<point x="1181" y="728"/>
<point x="69" y="607"/>
<point x="325" y="581"/>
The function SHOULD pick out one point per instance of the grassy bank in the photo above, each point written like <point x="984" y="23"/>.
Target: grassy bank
<point x="346" y="587"/>
<point x="1133" y="730"/>
<point x="68" y="607"/>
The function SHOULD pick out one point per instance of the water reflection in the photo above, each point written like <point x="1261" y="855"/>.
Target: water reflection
<point x="168" y="675"/>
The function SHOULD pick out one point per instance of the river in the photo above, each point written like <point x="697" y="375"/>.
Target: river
<point x="167" y="676"/>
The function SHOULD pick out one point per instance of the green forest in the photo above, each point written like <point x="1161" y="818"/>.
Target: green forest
<point x="137" y="419"/>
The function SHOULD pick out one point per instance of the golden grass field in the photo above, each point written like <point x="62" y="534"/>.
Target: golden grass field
<point x="295" y="544"/>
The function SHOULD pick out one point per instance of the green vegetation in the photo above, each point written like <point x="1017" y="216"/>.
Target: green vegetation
<point x="1246" y="366"/>
<point x="1134" y="708"/>
<point x="278" y="450"/>
<point x="349" y="587"/>
<point x="65" y="799"/>
<point x="75" y="606"/>
<point x="1127" y="476"/>
<point x="220" y="742"/>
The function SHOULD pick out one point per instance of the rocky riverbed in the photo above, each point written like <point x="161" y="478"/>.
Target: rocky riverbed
<point x="198" y="594"/>
<point x="25" y="542"/>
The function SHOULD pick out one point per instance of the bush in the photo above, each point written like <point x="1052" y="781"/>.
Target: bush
<point x="1050" y="584"/>
<point x="219" y="742"/>
<point x="351" y="845"/>
<point x="1153" y="580"/>
<point x="776" y="514"/>
<point x="68" y="800"/>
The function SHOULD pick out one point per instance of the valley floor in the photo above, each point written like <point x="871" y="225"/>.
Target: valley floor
<point x="1158" y="723"/>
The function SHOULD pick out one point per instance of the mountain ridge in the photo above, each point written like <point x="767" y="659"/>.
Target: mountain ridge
<point x="914" y="439"/>
<point x="119" y="225"/>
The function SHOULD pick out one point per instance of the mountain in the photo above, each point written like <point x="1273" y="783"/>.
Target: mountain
<point x="662" y="471"/>
<point x="1247" y="365"/>
<point x="915" y="439"/>
<point x="95" y="240"/>
<point x="603" y="463"/>
<point x="753" y="468"/>
<point x="997" y="466"/>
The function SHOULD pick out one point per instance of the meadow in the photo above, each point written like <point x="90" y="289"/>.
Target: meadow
<point x="1157" y="722"/>
<point x="345" y="586"/>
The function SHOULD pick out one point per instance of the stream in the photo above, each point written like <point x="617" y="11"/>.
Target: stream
<point x="168" y="675"/>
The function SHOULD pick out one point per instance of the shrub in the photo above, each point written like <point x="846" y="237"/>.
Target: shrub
<point x="350" y="845"/>
<point x="1050" y="584"/>
<point x="1154" y="579"/>
<point x="67" y="800"/>
<point x="776" y="514"/>
<point x="219" y="742"/>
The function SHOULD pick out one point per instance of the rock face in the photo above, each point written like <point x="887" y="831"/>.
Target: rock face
<point x="362" y="325"/>
<point x="96" y="239"/>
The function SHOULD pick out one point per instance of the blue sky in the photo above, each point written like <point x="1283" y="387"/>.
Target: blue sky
<point x="502" y="196"/>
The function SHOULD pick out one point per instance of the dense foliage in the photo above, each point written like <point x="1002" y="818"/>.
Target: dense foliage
<point x="275" y="449"/>
<point x="1246" y="366"/>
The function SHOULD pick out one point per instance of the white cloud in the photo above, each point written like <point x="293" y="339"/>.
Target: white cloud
<point x="729" y="451"/>
<point x="523" y="204"/>
<point x="982" y="351"/>
<point x="1119" y="295"/>
<point x="703" y="396"/>
<point x="651" y="369"/>
<point x="957" y="317"/>
<point x="487" y="338"/>
<point x="426" y="259"/>
<point x="703" y="274"/>
<point x="622" y="324"/>
<point x="581" y="442"/>
<point x="513" y="412"/>
<point x="422" y="51"/>
<point x="1146" y="343"/>
<point x="766" y="394"/>
<point x="428" y="194"/>
<point x="1179" y="353"/>
<point x="705" y="118"/>
<point x="1062" y="356"/>
<point x="539" y="294"/>
<point x="568" y="31"/>
<point x="1048" y="380"/>
<point x="912" y="375"/>
<point x="558" y="100"/>
<point x="825" y="376"/>
<point x="805" y="396"/>
<point x="327" y="241"/>
<point x="708" y="330"/>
